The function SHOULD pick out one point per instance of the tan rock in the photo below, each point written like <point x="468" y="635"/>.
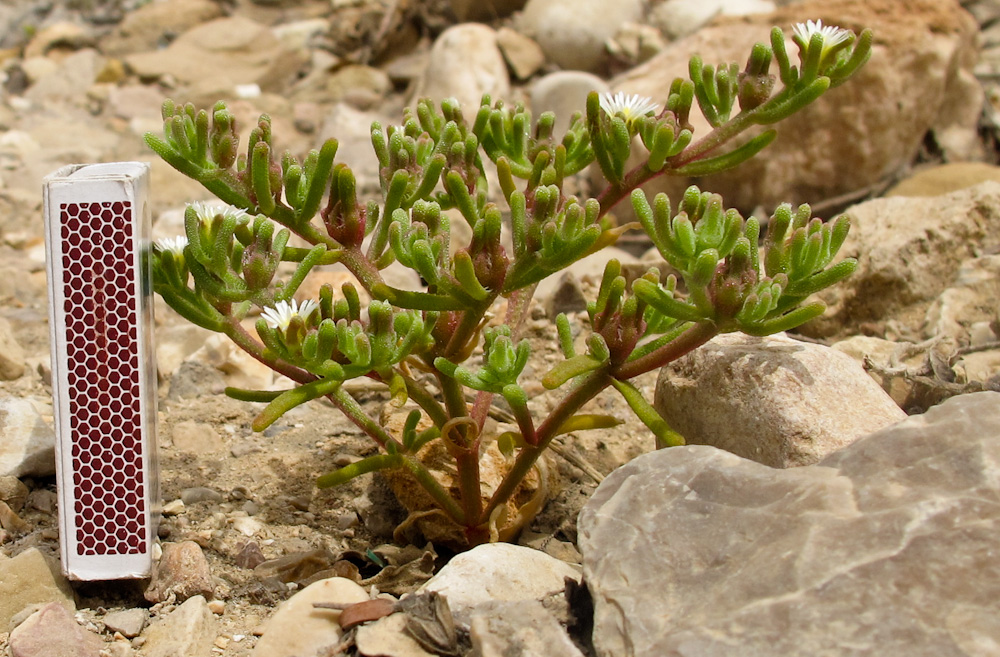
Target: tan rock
<point x="522" y="53"/>
<point x="298" y="628"/>
<point x="474" y="10"/>
<point x="29" y="578"/>
<point x="11" y="354"/>
<point x="881" y="352"/>
<point x="181" y="572"/>
<point x="572" y="33"/>
<point x="65" y="35"/>
<point x="188" y="630"/>
<point x="154" y="24"/>
<point x="774" y="400"/>
<point x="945" y="179"/>
<point x="53" y="632"/>
<point x="465" y="63"/>
<point x="196" y="438"/>
<point x="70" y="80"/>
<point x="909" y="250"/>
<point x="219" y="55"/>
<point x="973" y="297"/>
<point x="28" y="445"/>
<point x="498" y="572"/>
<point x="388" y="636"/>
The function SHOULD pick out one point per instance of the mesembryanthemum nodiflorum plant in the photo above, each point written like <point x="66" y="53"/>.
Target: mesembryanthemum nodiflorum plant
<point x="433" y="347"/>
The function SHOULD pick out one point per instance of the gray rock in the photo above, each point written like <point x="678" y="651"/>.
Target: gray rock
<point x="129" y="622"/>
<point x="922" y="69"/>
<point x="573" y="32"/>
<point x="187" y="631"/>
<point x="887" y="547"/>
<point x="31" y="578"/>
<point x="28" y="445"/>
<point x="200" y="494"/>
<point x="297" y="628"/>
<point x="775" y="400"/>
<point x="465" y="63"/>
<point x="500" y="572"/>
<point x="11" y="353"/>
<point x="564" y="92"/>
<point x="193" y="379"/>
<point x="909" y="250"/>
<point x="52" y="632"/>
<point x="567" y="298"/>
<point x="181" y="572"/>
<point x="519" y="629"/>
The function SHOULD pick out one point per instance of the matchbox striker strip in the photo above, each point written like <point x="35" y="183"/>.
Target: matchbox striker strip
<point x="103" y="368"/>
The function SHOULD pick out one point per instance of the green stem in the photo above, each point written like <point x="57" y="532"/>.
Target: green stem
<point x="350" y="407"/>
<point x="467" y="461"/>
<point x="695" y="336"/>
<point x="362" y="268"/>
<point x="235" y="331"/>
<point x="426" y="401"/>
<point x="585" y="390"/>
<point x="454" y="395"/>
<point x="434" y="489"/>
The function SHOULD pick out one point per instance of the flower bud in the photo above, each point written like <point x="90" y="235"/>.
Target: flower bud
<point x="754" y="82"/>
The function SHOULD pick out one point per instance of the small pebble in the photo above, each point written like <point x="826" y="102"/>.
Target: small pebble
<point x="217" y="607"/>
<point x="250" y="556"/>
<point x="173" y="508"/>
<point x="347" y="520"/>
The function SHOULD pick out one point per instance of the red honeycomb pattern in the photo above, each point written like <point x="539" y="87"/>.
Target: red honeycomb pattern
<point x="102" y="318"/>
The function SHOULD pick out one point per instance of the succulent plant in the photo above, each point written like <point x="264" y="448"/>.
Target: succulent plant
<point x="436" y="347"/>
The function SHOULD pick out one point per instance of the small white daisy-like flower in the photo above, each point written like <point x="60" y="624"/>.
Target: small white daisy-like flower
<point x="173" y="244"/>
<point x="832" y="35"/>
<point x="629" y="107"/>
<point x="281" y="315"/>
<point x="206" y="211"/>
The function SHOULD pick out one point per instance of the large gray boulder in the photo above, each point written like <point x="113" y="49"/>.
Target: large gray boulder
<point x="888" y="547"/>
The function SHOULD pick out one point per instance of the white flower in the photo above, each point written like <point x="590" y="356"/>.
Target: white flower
<point x="832" y="35"/>
<point x="206" y="212"/>
<point x="629" y="107"/>
<point x="173" y="244"/>
<point x="281" y="315"/>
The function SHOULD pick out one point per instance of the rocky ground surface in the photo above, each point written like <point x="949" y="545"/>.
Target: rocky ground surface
<point x="248" y="544"/>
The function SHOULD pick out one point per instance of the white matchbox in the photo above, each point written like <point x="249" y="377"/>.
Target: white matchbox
<point x="97" y="230"/>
